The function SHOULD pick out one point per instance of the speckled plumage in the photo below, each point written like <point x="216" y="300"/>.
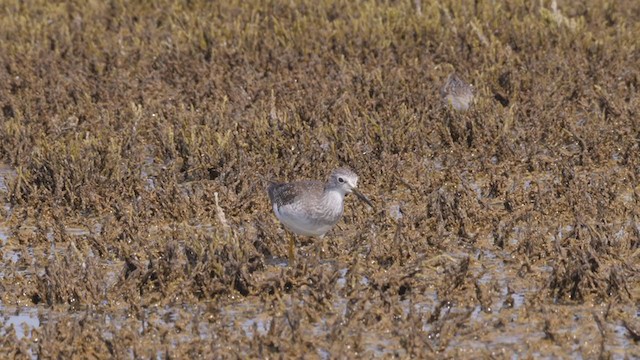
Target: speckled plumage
<point x="312" y="208"/>
<point x="457" y="93"/>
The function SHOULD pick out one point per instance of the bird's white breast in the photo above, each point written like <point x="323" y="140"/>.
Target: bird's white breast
<point x="312" y="218"/>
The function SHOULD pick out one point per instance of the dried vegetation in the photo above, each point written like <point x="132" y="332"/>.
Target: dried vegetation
<point x="139" y="134"/>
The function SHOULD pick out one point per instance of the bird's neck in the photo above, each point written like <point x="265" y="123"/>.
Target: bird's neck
<point x="333" y="197"/>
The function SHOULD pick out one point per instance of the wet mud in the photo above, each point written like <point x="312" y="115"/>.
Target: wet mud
<point x="136" y="139"/>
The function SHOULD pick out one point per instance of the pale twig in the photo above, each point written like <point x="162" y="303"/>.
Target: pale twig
<point x="221" y="216"/>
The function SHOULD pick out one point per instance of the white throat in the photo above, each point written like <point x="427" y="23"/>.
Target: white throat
<point x="334" y="198"/>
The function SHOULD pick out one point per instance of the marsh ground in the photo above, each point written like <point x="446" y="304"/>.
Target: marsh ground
<point x="510" y="228"/>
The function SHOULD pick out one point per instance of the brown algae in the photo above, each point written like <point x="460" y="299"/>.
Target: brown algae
<point x="135" y="137"/>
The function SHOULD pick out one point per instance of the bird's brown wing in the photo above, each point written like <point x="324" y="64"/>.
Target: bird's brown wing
<point x="283" y="194"/>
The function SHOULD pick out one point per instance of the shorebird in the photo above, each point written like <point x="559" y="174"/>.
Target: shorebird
<point x="312" y="208"/>
<point x="457" y="93"/>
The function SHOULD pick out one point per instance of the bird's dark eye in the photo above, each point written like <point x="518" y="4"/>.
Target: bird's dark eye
<point x="340" y="180"/>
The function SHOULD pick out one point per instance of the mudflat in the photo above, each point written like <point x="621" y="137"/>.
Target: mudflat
<point x="137" y="138"/>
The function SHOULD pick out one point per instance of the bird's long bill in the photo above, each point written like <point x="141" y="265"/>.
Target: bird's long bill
<point x="362" y="197"/>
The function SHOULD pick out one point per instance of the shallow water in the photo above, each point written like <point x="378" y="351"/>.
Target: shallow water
<point x="22" y="320"/>
<point x="513" y="332"/>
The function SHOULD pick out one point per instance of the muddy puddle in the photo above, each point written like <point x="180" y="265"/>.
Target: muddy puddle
<point x="501" y="324"/>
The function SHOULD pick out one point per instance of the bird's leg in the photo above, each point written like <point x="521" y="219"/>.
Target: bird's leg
<point x="292" y="249"/>
<point x="318" y="246"/>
